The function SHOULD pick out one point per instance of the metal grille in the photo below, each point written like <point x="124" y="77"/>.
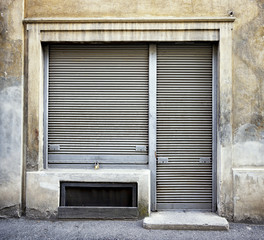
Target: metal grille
<point x="184" y="126"/>
<point x="98" y="103"/>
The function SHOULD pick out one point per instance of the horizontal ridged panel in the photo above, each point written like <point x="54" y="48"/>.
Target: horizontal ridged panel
<point x="184" y="125"/>
<point x="98" y="99"/>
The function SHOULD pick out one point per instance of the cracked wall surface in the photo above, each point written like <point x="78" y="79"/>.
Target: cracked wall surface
<point x="11" y="77"/>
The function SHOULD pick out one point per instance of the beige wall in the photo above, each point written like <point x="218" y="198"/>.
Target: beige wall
<point x="128" y="8"/>
<point x="11" y="80"/>
<point x="248" y="194"/>
<point x="248" y="111"/>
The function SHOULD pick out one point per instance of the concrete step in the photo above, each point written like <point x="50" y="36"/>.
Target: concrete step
<point x="185" y="220"/>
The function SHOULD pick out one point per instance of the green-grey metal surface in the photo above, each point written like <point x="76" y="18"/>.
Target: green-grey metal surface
<point x="98" y="103"/>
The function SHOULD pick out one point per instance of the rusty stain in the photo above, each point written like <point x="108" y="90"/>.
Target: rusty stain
<point x="36" y="133"/>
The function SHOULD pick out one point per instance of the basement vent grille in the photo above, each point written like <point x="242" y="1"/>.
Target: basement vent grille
<point x="98" y="200"/>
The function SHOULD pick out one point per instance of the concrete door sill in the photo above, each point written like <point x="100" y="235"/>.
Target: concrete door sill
<point x="185" y="220"/>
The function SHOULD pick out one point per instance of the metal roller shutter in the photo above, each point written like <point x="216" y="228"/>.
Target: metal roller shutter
<point x="184" y="126"/>
<point x="98" y="103"/>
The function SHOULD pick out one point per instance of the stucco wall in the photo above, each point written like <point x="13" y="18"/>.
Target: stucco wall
<point x="11" y="77"/>
<point x="248" y="195"/>
<point x="248" y="111"/>
<point x="129" y="8"/>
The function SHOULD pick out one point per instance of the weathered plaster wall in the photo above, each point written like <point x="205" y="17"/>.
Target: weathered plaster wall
<point x="11" y="77"/>
<point x="248" y="195"/>
<point x="248" y="76"/>
<point x="247" y="146"/>
<point x="129" y="8"/>
<point x="248" y="111"/>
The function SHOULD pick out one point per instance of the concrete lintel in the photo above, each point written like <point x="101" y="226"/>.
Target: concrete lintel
<point x="148" y="20"/>
<point x="189" y="220"/>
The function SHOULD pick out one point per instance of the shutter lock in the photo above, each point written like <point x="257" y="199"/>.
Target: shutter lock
<point x="163" y="160"/>
<point x="141" y="148"/>
<point x="205" y="160"/>
<point x="54" y="147"/>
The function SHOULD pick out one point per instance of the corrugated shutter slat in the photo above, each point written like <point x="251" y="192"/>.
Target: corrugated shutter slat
<point x="98" y="99"/>
<point x="184" y="126"/>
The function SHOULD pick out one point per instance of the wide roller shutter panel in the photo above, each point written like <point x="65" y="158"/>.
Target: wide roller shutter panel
<point x="184" y="126"/>
<point x="98" y="103"/>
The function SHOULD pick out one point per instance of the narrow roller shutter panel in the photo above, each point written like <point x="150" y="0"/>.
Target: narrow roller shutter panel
<point x="184" y="126"/>
<point x="97" y="101"/>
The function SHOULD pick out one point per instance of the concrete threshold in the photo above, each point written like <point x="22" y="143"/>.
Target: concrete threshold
<point x="185" y="220"/>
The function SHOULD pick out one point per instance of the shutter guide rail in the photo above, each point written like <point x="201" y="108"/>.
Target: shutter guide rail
<point x="152" y="120"/>
<point x="46" y="106"/>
